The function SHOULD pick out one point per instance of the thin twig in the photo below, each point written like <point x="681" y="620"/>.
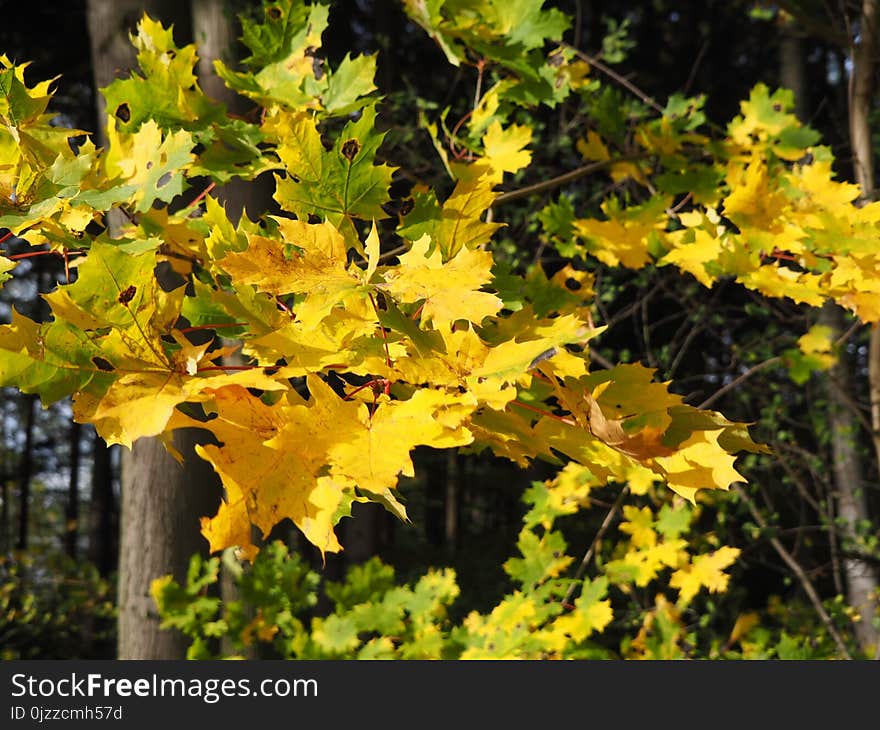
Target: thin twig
<point x="560" y="180"/>
<point x="393" y="252"/>
<point x="799" y="572"/>
<point x="739" y="380"/>
<point x="696" y="65"/>
<point x="600" y="533"/>
<point x="796" y="479"/>
<point x="601" y="360"/>
<point x="612" y="74"/>
<point x="849" y="332"/>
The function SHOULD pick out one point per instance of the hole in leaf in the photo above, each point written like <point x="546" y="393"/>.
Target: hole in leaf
<point x="168" y="278"/>
<point x="274" y="12"/>
<point x="350" y="149"/>
<point x="317" y="68"/>
<point x="123" y="113"/>
<point x="164" y="180"/>
<point x="102" y="364"/>
<point x="75" y="142"/>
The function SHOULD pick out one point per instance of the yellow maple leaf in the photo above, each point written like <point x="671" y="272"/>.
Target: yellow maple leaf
<point x="591" y="614"/>
<point x="623" y="238"/>
<point x="569" y="490"/>
<point x="507" y="632"/>
<point x="376" y="448"/>
<point x="825" y="193"/>
<point x="267" y="480"/>
<point x="819" y="342"/>
<point x="140" y="404"/>
<point x="639" y="524"/>
<point x="582" y="281"/>
<point x="450" y="289"/>
<point x="593" y="148"/>
<point x="648" y="561"/>
<point x="511" y="360"/>
<point x="372" y="249"/>
<point x="693" y="249"/>
<point x="779" y="281"/>
<point x="462" y="352"/>
<point x="461" y="223"/>
<point x="316" y="268"/>
<point x="698" y="463"/>
<point x="504" y="149"/>
<point x="752" y="200"/>
<point x="704" y="571"/>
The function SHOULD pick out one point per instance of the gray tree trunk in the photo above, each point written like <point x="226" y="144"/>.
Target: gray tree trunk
<point x="847" y="463"/>
<point x="161" y="505"/>
<point x="103" y="510"/>
<point x="214" y="36"/>
<point x="862" y="584"/>
<point x="162" y="501"/>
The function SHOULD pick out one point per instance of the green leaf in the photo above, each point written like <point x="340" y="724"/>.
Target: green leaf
<point x="340" y="185"/>
<point x="543" y="558"/>
<point x="351" y="81"/>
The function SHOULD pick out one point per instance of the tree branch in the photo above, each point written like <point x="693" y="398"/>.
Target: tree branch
<point x="560" y="180"/>
<point x="739" y="380"/>
<point x="600" y="533"/>
<point x="799" y="572"/>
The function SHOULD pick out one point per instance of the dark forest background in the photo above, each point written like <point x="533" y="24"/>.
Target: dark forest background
<point x="60" y="492"/>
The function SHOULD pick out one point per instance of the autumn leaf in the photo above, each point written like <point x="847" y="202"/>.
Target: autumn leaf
<point x="449" y="290"/>
<point x="340" y="185"/>
<point x="591" y="614"/>
<point x="504" y="149"/>
<point x="311" y="259"/>
<point x="265" y="484"/>
<point x="458" y="222"/>
<point x="151" y="162"/>
<point x="704" y="571"/>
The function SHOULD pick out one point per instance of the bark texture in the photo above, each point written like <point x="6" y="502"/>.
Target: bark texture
<point x="161" y="504"/>
<point x="862" y="582"/>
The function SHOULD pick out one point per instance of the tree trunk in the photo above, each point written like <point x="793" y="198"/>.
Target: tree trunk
<point x="212" y="30"/>
<point x="25" y="471"/>
<point x="791" y="69"/>
<point x="161" y="505"/>
<point x="847" y="466"/>
<point x="852" y="506"/>
<point x="161" y="501"/>
<point x="5" y="532"/>
<point x="848" y="474"/>
<point x="71" y="513"/>
<point x="213" y="25"/>
<point x="103" y="519"/>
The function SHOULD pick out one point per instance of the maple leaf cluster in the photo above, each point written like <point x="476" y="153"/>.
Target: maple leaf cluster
<point x="360" y="338"/>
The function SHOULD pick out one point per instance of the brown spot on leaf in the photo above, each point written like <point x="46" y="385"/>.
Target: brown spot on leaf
<point x="127" y="294"/>
<point x="274" y="12"/>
